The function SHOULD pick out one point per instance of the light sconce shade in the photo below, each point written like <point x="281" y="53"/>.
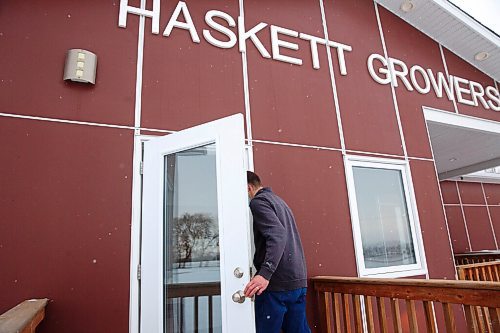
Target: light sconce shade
<point x="80" y="66"/>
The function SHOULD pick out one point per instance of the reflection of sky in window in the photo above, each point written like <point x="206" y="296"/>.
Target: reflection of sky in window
<point x="381" y="206"/>
<point x="196" y="182"/>
<point x="486" y="12"/>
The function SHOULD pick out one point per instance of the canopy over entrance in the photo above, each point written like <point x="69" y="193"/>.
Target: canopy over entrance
<point x="462" y="144"/>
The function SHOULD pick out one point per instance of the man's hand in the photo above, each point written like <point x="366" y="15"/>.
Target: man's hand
<point x="256" y="286"/>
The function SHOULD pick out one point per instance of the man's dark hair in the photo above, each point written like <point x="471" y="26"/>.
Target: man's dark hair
<point x="253" y="179"/>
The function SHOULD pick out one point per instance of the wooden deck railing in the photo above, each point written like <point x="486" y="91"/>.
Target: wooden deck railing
<point x="476" y="257"/>
<point x="193" y="291"/>
<point x="486" y="271"/>
<point x="350" y="304"/>
<point x="23" y="318"/>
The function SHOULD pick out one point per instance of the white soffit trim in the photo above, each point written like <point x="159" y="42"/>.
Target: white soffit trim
<point x="462" y="144"/>
<point x="454" y="29"/>
<point x="453" y="119"/>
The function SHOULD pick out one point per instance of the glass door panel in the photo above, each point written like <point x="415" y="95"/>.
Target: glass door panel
<point x="191" y="248"/>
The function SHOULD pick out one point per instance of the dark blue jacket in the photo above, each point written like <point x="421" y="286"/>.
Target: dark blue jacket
<point x="279" y="256"/>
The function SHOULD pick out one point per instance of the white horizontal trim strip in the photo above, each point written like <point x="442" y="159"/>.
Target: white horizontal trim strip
<point x="472" y="205"/>
<point x="340" y="150"/>
<point x="75" y="122"/>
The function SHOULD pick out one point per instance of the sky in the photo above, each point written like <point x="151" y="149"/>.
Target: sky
<point x="485" y="11"/>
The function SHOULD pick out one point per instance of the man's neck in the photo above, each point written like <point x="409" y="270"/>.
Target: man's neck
<point x="257" y="190"/>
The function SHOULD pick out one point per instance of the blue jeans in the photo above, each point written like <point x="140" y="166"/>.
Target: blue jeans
<point x="281" y="310"/>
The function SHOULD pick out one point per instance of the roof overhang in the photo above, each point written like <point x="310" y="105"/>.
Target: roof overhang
<point x="462" y="144"/>
<point x="452" y="28"/>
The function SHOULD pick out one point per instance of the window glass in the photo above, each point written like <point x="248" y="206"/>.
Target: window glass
<point x="383" y="217"/>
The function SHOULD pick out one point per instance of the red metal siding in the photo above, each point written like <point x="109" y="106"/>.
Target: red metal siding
<point x="65" y="234"/>
<point x="290" y="103"/>
<point x="366" y="107"/>
<point x="492" y="192"/>
<point x="459" y="67"/>
<point x="458" y="233"/>
<point x="185" y="83"/>
<point x="495" y="219"/>
<point x="414" y="48"/>
<point x="449" y="192"/>
<point x="478" y="224"/>
<point x="479" y="216"/>
<point x="432" y="220"/>
<point x="35" y="38"/>
<point x="471" y="193"/>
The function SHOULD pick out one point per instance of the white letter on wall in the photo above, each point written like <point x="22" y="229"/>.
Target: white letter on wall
<point x="188" y="25"/>
<point x="413" y="79"/>
<point x="459" y="90"/>
<point x="276" y="43"/>
<point x="340" y="54"/>
<point x="383" y="70"/>
<point x="243" y="36"/>
<point x="494" y="96"/>
<point x="154" y="14"/>
<point x="441" y="82"/>
<point x="314" y="47"/>
<point x="220" y="28"/>
<point x="401" y="73"/>
<point x="478" y="94"/>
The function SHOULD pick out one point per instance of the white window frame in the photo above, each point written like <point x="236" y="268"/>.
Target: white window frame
<point x="420" y="267"/>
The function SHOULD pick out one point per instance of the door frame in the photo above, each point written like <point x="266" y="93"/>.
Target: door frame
<point x="136" y="223"/>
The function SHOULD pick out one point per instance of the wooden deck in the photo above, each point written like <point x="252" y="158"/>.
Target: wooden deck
<point x="395" y="305"/>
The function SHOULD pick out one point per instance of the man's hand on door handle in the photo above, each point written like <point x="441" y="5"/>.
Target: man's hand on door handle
<point x="257" y="285"/>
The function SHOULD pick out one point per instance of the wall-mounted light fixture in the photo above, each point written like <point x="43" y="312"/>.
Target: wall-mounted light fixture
<point x="80" y="66"/>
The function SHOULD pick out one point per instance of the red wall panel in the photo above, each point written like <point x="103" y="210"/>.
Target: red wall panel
<point x="461" y="68"/>
<point x="35" y="38"/>
<point x="458" y="233"/>
<point x="478" y="224"/>
<point x="65" y="235"/>
<point x="449" y="192"/>
<point x="492" y="192"/>
<point x="471" y="193"/>
<point x="290" y="103"/>
<point x="432" y="220"/>
<point x="185" y="83"/>
<point x="367" y="108"/>
<point x="495" y="221"/>
<point x="406" y="43"/>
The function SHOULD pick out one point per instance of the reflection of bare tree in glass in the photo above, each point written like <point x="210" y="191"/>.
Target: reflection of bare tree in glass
<point x="196" y="238"/>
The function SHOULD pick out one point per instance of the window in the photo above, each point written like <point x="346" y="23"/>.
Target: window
<point x="386" y="233"/>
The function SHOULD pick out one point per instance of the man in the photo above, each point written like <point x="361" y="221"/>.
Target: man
<point x="281" y="279"/>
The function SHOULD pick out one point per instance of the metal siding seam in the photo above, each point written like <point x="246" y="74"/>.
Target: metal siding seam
<point x="463" y="216"/>
<point x="332" y="79"/>
<point x="447" y="75"/>
<point x="489" y="216"/>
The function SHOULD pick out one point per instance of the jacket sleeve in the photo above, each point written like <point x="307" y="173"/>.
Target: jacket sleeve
<point x="267" y="223"/>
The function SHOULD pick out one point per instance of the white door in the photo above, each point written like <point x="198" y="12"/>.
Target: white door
<point x="195" y="231"/>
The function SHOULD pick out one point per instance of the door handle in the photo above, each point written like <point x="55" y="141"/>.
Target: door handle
<point x="238" y="297"/>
